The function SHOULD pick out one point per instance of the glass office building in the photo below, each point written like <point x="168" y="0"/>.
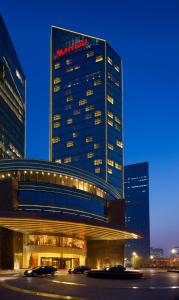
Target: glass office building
<point x="12" y="99"/>
<point x="136" y="186"/>
<point x="86" y="105"/>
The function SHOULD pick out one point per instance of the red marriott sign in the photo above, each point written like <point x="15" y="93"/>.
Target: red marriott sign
<point x="61" y="52"/>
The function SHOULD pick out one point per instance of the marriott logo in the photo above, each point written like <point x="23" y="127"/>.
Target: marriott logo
<point x="61" y="52"/>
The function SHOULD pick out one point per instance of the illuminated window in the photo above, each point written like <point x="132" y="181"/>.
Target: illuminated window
<point x="67" y="160"/>
<point x="110" y="114"/>
<point x="97" y="170"/>
<point x="90" y="54"/>
<point x="99" y="58"/>
<point x="113" y="79"/>
<point x="68" y="61"/>
<point x="97" y="121"/>
<point x="88" y="116"/>
<point x="98" y="162"/>
<point x="69" y="121"/>
<point x="88" y="108"/>
<point x="71" y="69"/>
<point x="75" y="134"/>
<point x="56" y="80"/>
<point x="110" y="146"/>
<point x="117" y="127"/>
<point x="89" y="139"/>
<point x="110" y="122"/>
<point x="56" y="125"/>
<point x="56" y="88"/>
<point x="56" y="117"/>
<point x="82" y="102"/>
<point x="57" y="66"/>
<point x="76" y="112"/>
<point x="58" y="161"/>
<point x="109" y="171"/>
<point x="89" y="92"/>
<point x="97" y="113"/>
<point x="110" y="99"/>
<point x="69" y="98"/>
<point x="97" y="82"/>
<point x="109" y="60"/>
<point x="119" y="144"/>
<point x="110" y="162"/>
<point x="118" y="166"/>
<point x="117" y="120"/>
<point x="77" y="67"/>
<point x="55" y="140"/>
<point x="96" y="146"/>
<point x="117" y="68"/>
<point x="69" y="144"/>
<point x="90" y="155"/>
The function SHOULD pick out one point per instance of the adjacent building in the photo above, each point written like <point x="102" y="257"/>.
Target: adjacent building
<point x="86" y="105"/>
<point x="136" y="185"/>
<point x="12" y="99"/>
<point x="156" y="253"/>
<point x="58" y="215"/>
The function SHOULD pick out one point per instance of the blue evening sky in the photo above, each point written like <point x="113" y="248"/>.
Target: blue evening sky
<point x="146" y="35"/>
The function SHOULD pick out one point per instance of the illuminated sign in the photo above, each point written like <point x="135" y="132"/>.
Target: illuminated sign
<point x="61" y="52"/>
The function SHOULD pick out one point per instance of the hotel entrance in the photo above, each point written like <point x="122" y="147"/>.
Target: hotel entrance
<point x="60" y="263"/>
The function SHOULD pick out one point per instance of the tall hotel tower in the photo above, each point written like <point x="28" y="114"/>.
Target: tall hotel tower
<point x="86" y="105"/>
<point x="12" y="99"/>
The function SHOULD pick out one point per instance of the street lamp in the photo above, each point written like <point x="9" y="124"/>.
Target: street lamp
<point x="134" y="259"/>
<point x="173" y="251"/>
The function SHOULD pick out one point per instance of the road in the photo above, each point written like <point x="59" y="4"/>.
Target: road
<point x="156" y="284"/>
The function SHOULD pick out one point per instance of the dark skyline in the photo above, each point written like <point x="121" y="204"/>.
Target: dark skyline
<point x="146" y="37"/>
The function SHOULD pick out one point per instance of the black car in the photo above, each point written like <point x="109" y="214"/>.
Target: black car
<point x="78" y="270"/>
<point x="40" y="270"/>
<point x="118" y="272"/>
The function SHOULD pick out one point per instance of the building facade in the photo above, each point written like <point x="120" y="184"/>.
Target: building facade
<point x="156" y="252"/>
<point x="58" y="215"/>
<point x="136" y="185"/>
<point x="12" y="99"/>
<point x="86" y="105"/>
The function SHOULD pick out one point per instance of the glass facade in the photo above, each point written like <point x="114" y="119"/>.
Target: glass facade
<point x="136" y="186"/>
<point x="58" y="189"/>
<point x="54" y="241"/>
<point x="86" y="105"/>
<point x="12" y="99"/>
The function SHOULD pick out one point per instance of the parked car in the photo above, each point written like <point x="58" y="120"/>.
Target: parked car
<point x="118" y="272"/>
<point x="40" y="270"/>
<point x="78" y="270"/>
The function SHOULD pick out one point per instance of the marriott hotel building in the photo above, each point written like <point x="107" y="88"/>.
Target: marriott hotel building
<point x="70" y="211"/>
<point x="86" y="105"/>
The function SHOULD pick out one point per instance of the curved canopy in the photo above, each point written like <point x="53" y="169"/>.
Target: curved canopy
<point x="71" y="228"/>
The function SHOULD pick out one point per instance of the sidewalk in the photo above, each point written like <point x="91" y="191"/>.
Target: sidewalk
<point x="21" y="271"/>
<point x="8" y="272"/>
